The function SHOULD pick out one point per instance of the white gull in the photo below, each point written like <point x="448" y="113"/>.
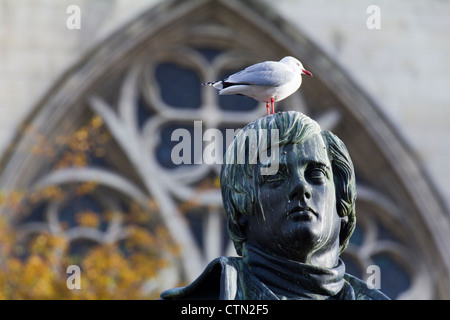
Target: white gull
<point x="268" y="81"/>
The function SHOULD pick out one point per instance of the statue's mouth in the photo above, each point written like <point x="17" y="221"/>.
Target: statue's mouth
<point x="302" y="213"/>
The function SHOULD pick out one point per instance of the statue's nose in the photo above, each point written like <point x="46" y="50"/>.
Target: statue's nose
<point x="300" y="189"/>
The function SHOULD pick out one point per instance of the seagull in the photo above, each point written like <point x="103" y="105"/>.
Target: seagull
<point x="267" y="81"/>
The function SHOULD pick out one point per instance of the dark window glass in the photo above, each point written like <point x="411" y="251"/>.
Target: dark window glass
<point x="179" y="86"/>
<point x="144" y="112"/>
<point x="351" y="266"/>
<point x="184" y="143"/>
<point x="394" y="279"/>
<point x="81" y="204"/>
<point x="357" y="237"/>
<point x="209" y="53"/>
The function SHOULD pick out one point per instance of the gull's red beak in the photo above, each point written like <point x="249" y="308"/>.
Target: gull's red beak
<point x="307" y="72"/>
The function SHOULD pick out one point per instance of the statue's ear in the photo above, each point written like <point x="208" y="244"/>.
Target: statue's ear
<point x="238" y="231"/>
<point x="343" y="234"/>
<point x="344" y="221"/>
<point x="243" y="221"/>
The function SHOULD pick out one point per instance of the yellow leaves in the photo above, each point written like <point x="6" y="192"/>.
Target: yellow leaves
<point x="37" y="278"/>
<point x="40" y="243"/>
<point x="6" y="237"/>
<point x="11" y="199"/>
<point x="210" y="182"/>
<point x="48" y="246"/>
<point x="34" y="277"/>
<point x="138" y="216"/>
<point x="111" y="274"/>
<point x="81" y="135"/>
<point x="96" y="122"/>
<point x="38" y="144"/>
<point x="88" y="219"/>
<point x="35" y="267"/>
<point x="71" y="159"/>
<point x="169" y="246"/>
<point x="80" y="144"/>
<point x="86" y="187"/>
<point x="108" y="271"/>
<point x="153" y="205"/>
<point x="49" y="193"/>
<point x="52" y="192"/>
<point x="139" y="238"/>
<point x="217" y="182"/>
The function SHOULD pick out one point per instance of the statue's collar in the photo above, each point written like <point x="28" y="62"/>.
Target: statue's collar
<point x="294" y="280"/>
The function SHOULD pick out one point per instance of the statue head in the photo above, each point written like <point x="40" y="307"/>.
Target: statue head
<point x="308" y="196"/>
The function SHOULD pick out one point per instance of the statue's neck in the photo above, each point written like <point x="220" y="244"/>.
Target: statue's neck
<point x="327" y="256"/>
<point x="292" y="279"/>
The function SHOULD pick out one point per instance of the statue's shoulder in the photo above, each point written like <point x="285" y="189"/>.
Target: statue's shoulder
<point x="362" y="292"/>
<point x="217" y="281"/>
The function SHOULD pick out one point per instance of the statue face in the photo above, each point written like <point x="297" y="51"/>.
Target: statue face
<point x="295" y="213"/>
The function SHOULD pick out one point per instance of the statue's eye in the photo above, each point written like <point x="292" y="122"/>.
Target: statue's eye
<point x="275" y="179"/>
<point x="318" y="173"/>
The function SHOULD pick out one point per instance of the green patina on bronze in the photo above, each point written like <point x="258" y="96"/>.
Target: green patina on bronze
<point x="290" y="226"/>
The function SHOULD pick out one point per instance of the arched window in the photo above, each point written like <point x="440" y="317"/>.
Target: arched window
<point x="94" y="162"/>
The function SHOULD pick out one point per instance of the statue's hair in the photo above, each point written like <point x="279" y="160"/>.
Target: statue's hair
<point x="238" y="180"/>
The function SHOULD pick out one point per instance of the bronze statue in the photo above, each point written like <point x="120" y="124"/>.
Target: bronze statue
<point x="288" y="224"/>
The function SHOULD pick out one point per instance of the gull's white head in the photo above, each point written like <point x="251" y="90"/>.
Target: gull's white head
<point x="296" y="65"/>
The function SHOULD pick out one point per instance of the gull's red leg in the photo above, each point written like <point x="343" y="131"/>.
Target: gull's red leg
<point x="272" y="102"/>
<point x="268" y="108"/>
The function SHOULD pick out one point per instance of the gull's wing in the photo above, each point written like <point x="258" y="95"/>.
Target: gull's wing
<point x="269" y="73"/>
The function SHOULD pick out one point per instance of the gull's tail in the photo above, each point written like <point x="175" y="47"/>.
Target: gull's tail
<point x="215" y="84"/>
